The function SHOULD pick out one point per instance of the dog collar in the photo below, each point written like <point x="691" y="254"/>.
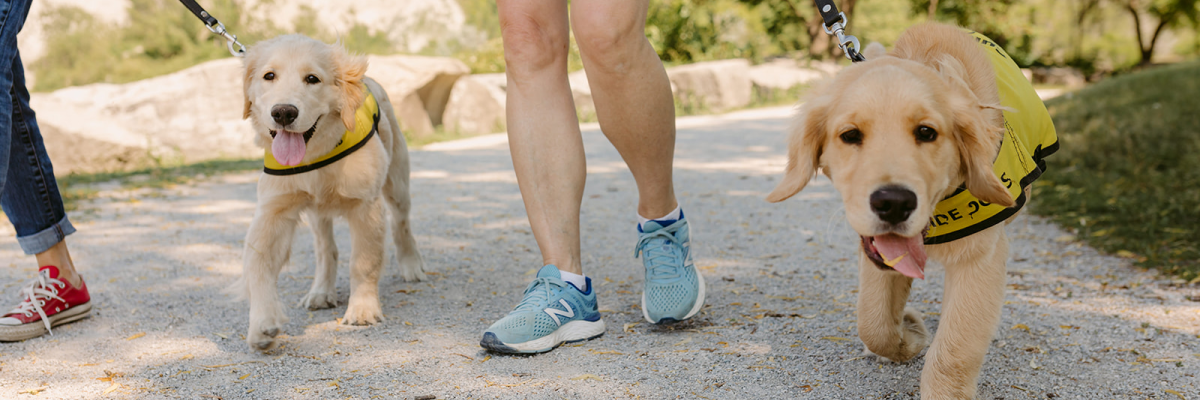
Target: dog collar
<point x="366" y="122"/>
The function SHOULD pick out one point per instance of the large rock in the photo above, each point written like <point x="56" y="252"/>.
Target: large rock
<point x="782" y="74"/>
<point x="476" y="106"/>
<point x="419" y="88"/>
<point x="713" y="86"/>
<point x="196" y="114"/>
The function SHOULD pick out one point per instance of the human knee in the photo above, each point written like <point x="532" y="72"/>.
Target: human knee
<point x="530" y="46"/>
<point x="609" y="46"/>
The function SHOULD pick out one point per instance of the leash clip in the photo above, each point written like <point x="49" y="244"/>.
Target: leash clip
<point x="848" y="43"/>
<point x="230" y="39"/>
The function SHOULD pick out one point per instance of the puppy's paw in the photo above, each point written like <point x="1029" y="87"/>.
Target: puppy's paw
<point x="366" y="312"/>
<point x="261" y="335"/>
<point x="316" y="300"/>
<point x="412" y="269"/>
<point x="916" y="336"/>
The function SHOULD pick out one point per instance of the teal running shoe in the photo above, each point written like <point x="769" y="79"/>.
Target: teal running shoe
<point x="674" y="290"/>
<point x="553" y="312"/>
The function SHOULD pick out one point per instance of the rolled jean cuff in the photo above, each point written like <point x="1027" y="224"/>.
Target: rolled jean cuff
<point x="47" y="238"/>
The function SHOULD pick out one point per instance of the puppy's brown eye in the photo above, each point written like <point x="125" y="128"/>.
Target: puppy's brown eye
<point x="312" y="79"/>
<point x="925" y="134"/>
<point x="270" y="76"/>
<point x="852" y="136"/>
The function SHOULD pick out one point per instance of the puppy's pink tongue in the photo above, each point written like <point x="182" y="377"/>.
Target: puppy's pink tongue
<point x="288" y="147"/>
<point x="906" y="255"/>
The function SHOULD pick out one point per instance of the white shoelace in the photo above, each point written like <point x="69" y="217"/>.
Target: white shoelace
<point x="36" y="293"/>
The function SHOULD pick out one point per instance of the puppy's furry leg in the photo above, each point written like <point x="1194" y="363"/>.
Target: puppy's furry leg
<point x="324" y="287"/>
<point x="268" y="247"/>
<point x="367" y="232"/>
<point x="412" y="267"/>
<point x="974" y="295"/>
<point x="884" y="325"/>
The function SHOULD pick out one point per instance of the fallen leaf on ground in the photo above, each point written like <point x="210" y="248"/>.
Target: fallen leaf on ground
<point x="629" y="326"/>
<point x="1021" y="326"/>
<point x="599" y="352"/>
<point x="836" y="339"/>
<point x="136" y="335"/>
<point x="684" y="341"/>
<point x="243" y="377"/>
<point x="34" y="391"/>
<point x="110" y="389"/>
<point x="586" y="377"/>
<point x="1175" y="393"/>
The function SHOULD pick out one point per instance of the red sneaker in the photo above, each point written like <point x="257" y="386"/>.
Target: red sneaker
<point x="48" y="302"/>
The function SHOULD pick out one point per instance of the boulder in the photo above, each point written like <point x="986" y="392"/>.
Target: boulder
<point x="419" y="88"/>
<point x="476" y="106"/>
<point x="196" y="114"/>
<point x="187" y="116"/>
<point x="713" y="86"/>
<point x="782" y="74"/>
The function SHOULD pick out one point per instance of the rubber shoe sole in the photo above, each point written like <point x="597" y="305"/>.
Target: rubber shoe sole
<point x="668" y="320"/>
<point x="571" y="332"/>
<point x="35" y="329"/>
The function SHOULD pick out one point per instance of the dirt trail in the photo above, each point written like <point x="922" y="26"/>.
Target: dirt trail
<point x="779" y="321"/>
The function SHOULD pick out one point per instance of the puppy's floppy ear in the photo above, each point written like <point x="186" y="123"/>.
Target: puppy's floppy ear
<point x="250" y="64"/>
<point x="350" y="70"/>
<point x="805" y="143"/>
<point x="979" y="132"/>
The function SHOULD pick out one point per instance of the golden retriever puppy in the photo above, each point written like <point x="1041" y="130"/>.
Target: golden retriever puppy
<point x="932" y="147"/>
<point x="333" y="148"/>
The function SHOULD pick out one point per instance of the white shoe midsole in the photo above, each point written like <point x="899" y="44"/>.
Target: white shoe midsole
<point x="568" y="332"/>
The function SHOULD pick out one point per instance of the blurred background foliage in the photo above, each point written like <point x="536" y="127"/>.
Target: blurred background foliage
<point x="1098" y="37"/>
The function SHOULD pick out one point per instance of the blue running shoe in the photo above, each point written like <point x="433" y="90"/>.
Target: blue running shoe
<point x="553" y="312"/>
<point x="674" y="290"/>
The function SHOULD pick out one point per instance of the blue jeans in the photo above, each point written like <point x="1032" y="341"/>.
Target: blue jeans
<point x="28" y="192"/>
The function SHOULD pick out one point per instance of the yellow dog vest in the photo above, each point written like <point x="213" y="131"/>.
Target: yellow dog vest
<point x="366" y="122"/>
<point x="1029" y="137"/>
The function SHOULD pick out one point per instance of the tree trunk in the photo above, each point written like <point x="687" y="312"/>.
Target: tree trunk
<point x="1137" y="26"/>
<point x="933" y="9"/>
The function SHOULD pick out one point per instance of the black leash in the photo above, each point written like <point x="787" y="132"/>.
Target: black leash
<point x="215" y="26"/>
<point x="835" y="25"/>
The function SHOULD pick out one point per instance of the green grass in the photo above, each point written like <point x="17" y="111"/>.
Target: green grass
<point x="1127" y="177"/>
<point x="79" y="187"/>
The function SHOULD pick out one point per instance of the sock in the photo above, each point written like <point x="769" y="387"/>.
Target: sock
<point x="579" y="281"/>
<point x="668" y="219"/>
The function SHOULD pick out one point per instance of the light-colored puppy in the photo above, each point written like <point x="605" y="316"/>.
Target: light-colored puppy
<point x="302" y="95"/>
<point x="933" y="144"/>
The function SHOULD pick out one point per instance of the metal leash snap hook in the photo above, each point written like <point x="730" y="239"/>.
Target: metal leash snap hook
<point x="850" y="46"/>
<point x="230" y="39"/>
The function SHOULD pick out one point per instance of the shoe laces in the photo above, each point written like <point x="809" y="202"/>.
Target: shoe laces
<point x="35" y="295"/>
<point x="538" y="294"/>
<point x="661" y="252"/>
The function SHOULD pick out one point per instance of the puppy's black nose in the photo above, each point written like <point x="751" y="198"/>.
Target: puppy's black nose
<point x="893" y="204"/>
<point x="284" y="114"/>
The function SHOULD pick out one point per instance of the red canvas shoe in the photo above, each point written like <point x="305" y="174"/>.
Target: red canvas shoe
<point x="46" y="302"/>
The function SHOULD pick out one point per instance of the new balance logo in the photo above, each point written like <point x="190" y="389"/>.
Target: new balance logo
<point x="554" y="313"/>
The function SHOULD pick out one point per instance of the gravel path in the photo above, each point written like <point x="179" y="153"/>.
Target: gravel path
<point x="779" y="320"/>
